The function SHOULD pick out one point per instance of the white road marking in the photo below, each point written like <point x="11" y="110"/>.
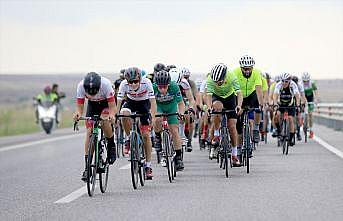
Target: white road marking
<point x="73" y="196"/>
<point x="328" y="146"/>
<point x="18" y="146"/>
<point x="126" y="167"/>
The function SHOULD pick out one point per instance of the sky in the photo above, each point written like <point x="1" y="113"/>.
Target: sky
<point x="79" y="36"/>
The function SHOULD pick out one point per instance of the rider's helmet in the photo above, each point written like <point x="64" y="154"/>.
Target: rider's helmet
<point x="91" y="83"/>
<point x="122" y="72"/>
<point x="169" y="67"/>
<point x="306" y="76"/>
<point x="218" y="72"/>
<point x="246" y="61"/>
<point x="47" y="90"/>
<point x="162" y="78"/>
<point x="175" y="75"/>
<point x="185" y="72"/>
<point x="286" y="76"/>
<point x="132" y="74"/>
<point x="159" y="67"/>
<point x="295" y="78"/>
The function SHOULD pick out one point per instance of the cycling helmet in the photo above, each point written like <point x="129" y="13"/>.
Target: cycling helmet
<point x="175" y="75"/>
<point x="47" y="90"/>
<point x="218" y="72"/>
<point x="158" y="67"/>
<point x="246" y="61"/>
<point x="285" y="76"/>
<point x="132" y="74"/>
<point x="162" y="78"/>
<point x="305" y="76"/>
<point x="169" y="67"/>
<point x="121" y="73"/>
<point x="92" y="83"/>
<point x="185" y="72"/>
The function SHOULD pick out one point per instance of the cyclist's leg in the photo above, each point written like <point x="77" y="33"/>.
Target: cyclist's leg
<point x="310" y="119"/>
<point x="217" y="106"/>
<point x="174" y="129"/>
<point x="108" y="131"/>
<point x="291" y="115"/>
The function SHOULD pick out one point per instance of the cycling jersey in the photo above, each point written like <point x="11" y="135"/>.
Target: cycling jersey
<point x="230" y="86"/>
<point x="286" y="94"/>
<point x="309" y="88"/>
<point x="184" y="86"/>
<point x="52" y="97"/>
<point x="203" y="86"/>
<point x="105" y="92"/>
<point x="264" y="84"/>
<point x="144" y="92"/>
<point x="248" y="85"/>
<point x="117" y="83"/>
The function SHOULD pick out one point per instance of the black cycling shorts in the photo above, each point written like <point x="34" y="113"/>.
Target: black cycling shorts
<point x="251" y="101"/>
<point x="96" y="107"/>
<point x="290" y="109"/>
<point x="140" y="107"/>
<point x="229" y="103"/>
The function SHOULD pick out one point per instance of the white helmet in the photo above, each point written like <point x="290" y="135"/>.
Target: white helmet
<point x="305" y="76"/>
<point x="185" y="72"/>
<point x="246" y="61"/>
<point x="218" y="72"/>
<point x="175" y="75"/>
<point x="285" y="76"/>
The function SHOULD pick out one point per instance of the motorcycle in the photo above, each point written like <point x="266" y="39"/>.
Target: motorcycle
<point x="47" y="115"/>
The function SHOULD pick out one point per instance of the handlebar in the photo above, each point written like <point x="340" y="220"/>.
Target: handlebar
<point x="222" y="112"/>
<point x="166" y="115"/>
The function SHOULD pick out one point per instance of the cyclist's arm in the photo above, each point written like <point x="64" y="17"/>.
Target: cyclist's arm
<point x="153" y="107"/>
<point x="297" y="97"/>
<point x="209" y="100"/>
<point x="190" y="97"/>
<point x="239" y="98"/>
<point x="259" y="94"/>
<point x="112" y="108"/>
<point x="181" y="107"/>
<point x="199" y="100"/>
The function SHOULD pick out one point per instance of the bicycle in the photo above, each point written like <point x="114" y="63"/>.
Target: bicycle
<point x="224" y="153"/>
<point x="137" y="156"/>
<point x="248" y="144"/>
<point x="97" y="156"/>
<point x="167" y="146"/>
<point x="284" y="136"/>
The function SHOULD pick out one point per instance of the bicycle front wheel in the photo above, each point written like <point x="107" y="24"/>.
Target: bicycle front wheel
<point x="167" y="149"/>
<point x="91" y="165"/>
<point x="134" y="158"/>
<point x="103" y="179"/>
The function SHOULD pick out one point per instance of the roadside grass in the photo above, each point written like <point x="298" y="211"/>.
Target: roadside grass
<point x="20" y="119"/>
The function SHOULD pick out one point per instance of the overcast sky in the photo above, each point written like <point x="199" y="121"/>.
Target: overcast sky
<point x="70" y="36"/>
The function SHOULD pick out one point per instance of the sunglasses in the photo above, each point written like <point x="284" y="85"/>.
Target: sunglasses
<point x="219" y="83"/>
<point x="162" y="86"/>
<point x="133" y="82"/>
<point x="286" y="81"/>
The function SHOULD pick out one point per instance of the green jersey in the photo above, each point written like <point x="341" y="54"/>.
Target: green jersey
<point x="173" y="95"/>
<point x="229" y="86"/>
<point x="248" y="85"/>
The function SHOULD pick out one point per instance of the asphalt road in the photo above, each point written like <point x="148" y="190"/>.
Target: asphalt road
<point x="36" y="181"/>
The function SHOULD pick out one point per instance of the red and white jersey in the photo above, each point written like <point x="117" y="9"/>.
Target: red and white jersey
<point x="144" y="92"/>
<point x="105" y="92"/>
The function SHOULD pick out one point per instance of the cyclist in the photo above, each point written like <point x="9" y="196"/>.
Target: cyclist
<point x="223" y="91"/>
<point x="267" y="108"/>
<point x="265" y="102"/>
<point x="250" y="82"/>
<point x="277" y="79"/>
<point x="204" y="122"/>
<point x="100" y="95"/>
<point x="46" y="96"/>
<point x="59" y="95"/>
<point x="185" y="73"/>
<point x="311" y="93"/>
<point x="169" y="100"/>
<point x="303" y="103"/>
<point x="188" y="99"/>
<point x="284" y="92"/>
<point x="140" y="98"/>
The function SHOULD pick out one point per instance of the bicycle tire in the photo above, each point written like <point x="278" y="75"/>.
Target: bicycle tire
<point x="103" y="177"/>
<point x="167" y="150"/>
<point x="134" y="159"/>
<point x="91" y="165"/>
<point x="141" y="162"/>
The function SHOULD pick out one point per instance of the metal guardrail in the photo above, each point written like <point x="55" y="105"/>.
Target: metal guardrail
<point x="329" y="114"/>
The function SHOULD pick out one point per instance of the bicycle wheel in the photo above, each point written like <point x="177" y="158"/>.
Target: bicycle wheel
<point x="141" y="163"/>
<point x="103" y="176"/>
<point x="91" y="165"/>
<point x="167" y="149"/>
<point x="134" y="159"/>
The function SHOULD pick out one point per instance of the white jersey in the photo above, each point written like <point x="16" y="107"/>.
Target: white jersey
<point x="105" y="92"/>
<point x="301" y="87"/>
<point x="203" y="86"/>
<point x="144" y="92"/>
<point x="292" y="85"/>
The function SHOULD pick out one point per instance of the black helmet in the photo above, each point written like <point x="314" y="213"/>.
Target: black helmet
<point x="162" y="78"/>
<point x="122" y="71"/>
<point x="159" y="67"/>
<point x="132" y="73"/>
<point x="92" y="83"/>
<point x="295" y="79"/>
<point x="170" y="67"/>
